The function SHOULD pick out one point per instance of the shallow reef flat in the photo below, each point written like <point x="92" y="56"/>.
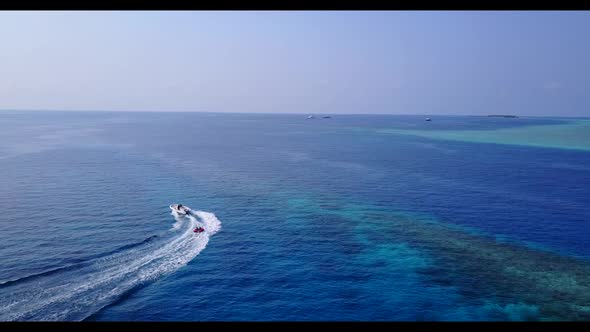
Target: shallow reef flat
<point x="574" y="135"/>
<point x="524" y="283"/>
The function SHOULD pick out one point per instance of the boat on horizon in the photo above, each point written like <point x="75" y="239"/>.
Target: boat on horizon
<point x="502" y="116"/>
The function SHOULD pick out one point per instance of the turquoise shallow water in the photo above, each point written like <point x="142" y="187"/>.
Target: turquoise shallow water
<point x="348" y="218"/>
<point x="574" y="135"/>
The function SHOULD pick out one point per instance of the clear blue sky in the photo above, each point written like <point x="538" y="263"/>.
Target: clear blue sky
<point x="527" y="63"/>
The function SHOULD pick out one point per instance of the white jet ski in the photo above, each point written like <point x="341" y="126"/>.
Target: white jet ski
<point x="180" y="209"/>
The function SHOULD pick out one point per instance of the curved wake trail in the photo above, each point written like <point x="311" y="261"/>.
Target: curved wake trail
<point x="78" y="291"/>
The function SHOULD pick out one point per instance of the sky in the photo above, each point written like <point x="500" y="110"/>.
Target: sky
<point x="362" y="62"/>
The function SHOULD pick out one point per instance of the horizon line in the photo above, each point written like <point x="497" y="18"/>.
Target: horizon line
<point x="281" y="113"/>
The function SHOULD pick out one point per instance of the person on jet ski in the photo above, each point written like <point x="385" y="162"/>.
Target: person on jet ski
<point x="183" y="209"/>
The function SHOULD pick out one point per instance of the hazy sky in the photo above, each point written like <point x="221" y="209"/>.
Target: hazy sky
<point x="472" y="62"/>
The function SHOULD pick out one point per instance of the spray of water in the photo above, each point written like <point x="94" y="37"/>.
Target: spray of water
<point x="75" y="292"/>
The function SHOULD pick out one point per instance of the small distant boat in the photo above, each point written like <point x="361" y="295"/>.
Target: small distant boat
<point x="310" y="117"/>
<point x="428" y="119"/>
<point x="180" y="209"/>
<point x="326" y="116"/>
<point x="503" y="116"/>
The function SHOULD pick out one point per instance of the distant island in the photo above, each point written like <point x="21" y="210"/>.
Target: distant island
<point x="503" y="116"/>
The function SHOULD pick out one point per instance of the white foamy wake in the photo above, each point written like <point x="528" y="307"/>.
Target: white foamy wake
<point x="74" y="293"/>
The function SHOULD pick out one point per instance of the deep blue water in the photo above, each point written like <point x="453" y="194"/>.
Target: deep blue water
<point x="323" y="219"/>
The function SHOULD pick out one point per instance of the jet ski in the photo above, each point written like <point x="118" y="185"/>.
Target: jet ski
<point x="199" y="230"/>
<point x="180" y="209"/>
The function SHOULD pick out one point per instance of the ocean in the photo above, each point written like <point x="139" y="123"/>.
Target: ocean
<point x="348" y="218"/>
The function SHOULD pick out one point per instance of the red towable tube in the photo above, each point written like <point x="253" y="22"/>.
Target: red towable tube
<point x="199" y="230"/>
